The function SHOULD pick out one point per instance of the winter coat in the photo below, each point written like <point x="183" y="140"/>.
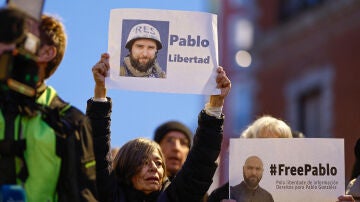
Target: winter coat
<point x="191" y="182"/>
<point x="38" y="166"/>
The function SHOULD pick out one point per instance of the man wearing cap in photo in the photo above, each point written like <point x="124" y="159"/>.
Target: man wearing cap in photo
<point x="175" y="140"/>
<point x="143" y="44"/>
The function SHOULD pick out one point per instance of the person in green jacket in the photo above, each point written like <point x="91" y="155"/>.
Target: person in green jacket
<point x="30" y="155"/>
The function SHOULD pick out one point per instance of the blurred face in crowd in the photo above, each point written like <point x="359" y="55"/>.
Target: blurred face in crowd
<point x="150" y="176"/>
<point x="143" y="54"/>
<point x="41" y="68"/>
<point x="175" y="147"/>
<point x="253" y="171"/>
<point x="52" y="45"/>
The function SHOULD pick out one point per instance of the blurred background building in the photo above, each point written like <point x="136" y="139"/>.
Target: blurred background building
<point x="298" y="60"/>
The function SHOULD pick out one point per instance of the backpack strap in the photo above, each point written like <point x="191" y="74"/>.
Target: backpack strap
<point x="7" y="160"/>
<point x="74" y="145"/>
<point x="54" y="115"/>
<point x="10" y="148"/>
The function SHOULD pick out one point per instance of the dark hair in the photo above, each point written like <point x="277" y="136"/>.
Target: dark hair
<point x="132" y="156"/>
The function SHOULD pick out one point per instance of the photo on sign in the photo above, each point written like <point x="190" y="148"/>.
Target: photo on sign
<point x="249" y="188"/>
<point x="144" y="48"/>
<point x="286" y="169"/>
<point x="163" y="51"/>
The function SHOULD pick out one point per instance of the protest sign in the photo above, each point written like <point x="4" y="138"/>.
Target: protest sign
<point x="187" y="51"/>
<point x="294" y="169"/>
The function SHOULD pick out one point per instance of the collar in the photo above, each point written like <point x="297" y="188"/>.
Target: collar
<point x="40" y="89"/>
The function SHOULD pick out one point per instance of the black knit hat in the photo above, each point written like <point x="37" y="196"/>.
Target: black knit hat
<point x="166" y="127"/>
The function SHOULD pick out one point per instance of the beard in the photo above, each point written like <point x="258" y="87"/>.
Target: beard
<point x="252" y="181"/>
<point x="140" y="66"/>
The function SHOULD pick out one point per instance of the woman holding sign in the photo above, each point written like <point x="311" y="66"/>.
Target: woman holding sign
<point x="139" y="172"/>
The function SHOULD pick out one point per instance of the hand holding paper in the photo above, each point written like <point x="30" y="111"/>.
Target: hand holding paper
<point x="99" y="71"/>
<point x="224" y="84"/>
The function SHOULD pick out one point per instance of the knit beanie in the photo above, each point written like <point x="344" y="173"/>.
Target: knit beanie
<point x="166" y="127"/>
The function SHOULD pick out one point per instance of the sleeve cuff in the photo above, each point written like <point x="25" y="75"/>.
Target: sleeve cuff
<point x="103" y="99"/>
<point x="213" y="111"/>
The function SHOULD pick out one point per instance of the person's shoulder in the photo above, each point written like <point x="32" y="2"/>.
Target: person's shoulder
<point x="237" y="191"/>
<point x="353" y="187"/>
<point x="236" y="188"/>
<point x="74" y="111"/>
<point x="67" y="110"/>
<point x="123" y="71"/>
<point x="266" y="192"/>
<point x="219" y="193"/>
<point x="74" y="115"/>
<point x="162" y="74"/>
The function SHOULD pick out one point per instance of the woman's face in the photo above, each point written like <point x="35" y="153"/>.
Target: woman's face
<point x="151" y="175"/>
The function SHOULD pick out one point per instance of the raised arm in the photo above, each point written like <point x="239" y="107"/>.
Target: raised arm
<point x="99" y="71"/>
<point x="98" y="110"/>
<point x="195" y="177"/>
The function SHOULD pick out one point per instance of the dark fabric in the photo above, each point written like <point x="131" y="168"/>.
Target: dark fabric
<point x="99" y="116"/>
<point x="356" y="168"/>
<point x="7" y="160"/>
<point x="192" y="181"/>
<point x="169" y="126"/>
<point x="74" y="146"/>
<point x="77" y="178"/>
<point x="219" y="193"/>
<point x="241" y="193"/>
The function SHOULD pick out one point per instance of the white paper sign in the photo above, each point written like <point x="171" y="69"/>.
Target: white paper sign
<point x="188" y="57"/>
<point x="295" y="169"/>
